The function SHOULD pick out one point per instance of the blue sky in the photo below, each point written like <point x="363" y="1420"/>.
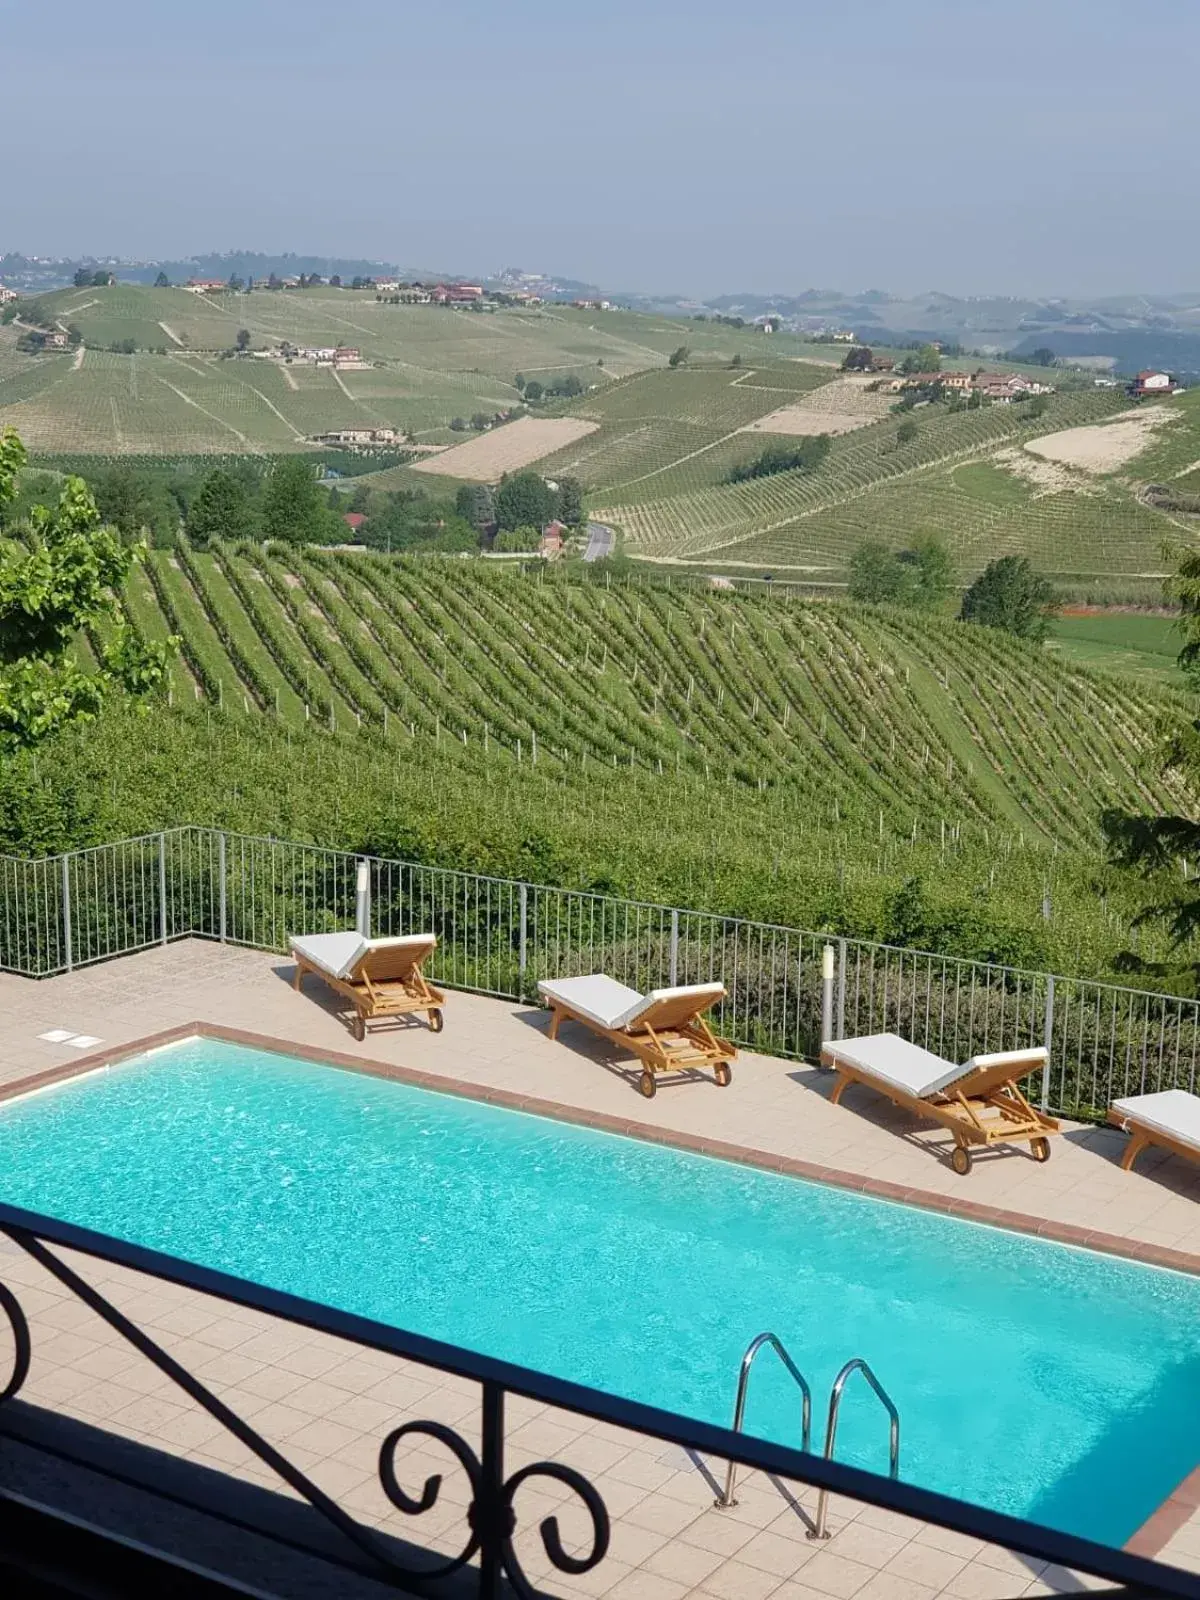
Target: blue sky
<point x="1009" y="146"/>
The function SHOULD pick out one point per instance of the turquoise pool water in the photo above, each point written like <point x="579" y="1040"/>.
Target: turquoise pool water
<point x="1032" y="1378"/>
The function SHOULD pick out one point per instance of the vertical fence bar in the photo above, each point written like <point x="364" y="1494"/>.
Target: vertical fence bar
<point x="674" y="964"/>
<point x="1048" y="1040"/>
<point x="523" y="936"/>
<point x="162" y="888"/>
<point x="66" y="911"/>
<point x="221" y="900"/>
<point x="841" y="989"/>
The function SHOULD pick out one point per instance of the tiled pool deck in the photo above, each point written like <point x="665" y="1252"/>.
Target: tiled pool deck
<point x="328" y="1405"/>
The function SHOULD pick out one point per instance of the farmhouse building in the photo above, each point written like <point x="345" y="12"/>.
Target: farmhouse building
<point x="1152" y="382"/>
<point x="7" y="294"/>
<point x="358" y="437"/>
<point x="204" y="285"/>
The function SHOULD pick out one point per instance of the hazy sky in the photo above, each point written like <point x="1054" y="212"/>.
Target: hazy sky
<point x="1043" y="146"/>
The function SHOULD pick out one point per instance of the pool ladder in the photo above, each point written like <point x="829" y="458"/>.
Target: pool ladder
<point x="820" y="1527"/>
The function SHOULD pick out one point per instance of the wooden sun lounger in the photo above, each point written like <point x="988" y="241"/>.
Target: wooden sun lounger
<point x="981" y="1103"/>
<point x="380" y="977"/>
<point x="665" y="1029"/>
<point x="1169" y="1119"/>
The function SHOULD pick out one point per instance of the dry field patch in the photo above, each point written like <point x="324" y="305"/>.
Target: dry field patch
<point x="508" y="448"/>
<point x="838" y="407"/>
<point x="1102" y="447"/>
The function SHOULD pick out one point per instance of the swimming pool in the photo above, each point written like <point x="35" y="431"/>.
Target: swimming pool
<point x="1033" y="1378"/>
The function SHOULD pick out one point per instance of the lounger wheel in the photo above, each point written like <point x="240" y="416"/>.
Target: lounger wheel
<point x="960" y="1160"/>
<point x="436" y="1021"/>
<point x="359" y="1026"/>
<point x="723" y="1073"/>
<point x="1040" y="1149"/>
<point x="647" y="1085"/>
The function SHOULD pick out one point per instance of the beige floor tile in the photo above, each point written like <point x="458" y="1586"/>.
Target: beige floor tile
<point x="734" y="1580"/>
<point x="834" y="1575"/>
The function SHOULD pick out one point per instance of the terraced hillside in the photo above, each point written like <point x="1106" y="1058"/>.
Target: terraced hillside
<point x="869" y="719"/>
<point x="423" y="366"/>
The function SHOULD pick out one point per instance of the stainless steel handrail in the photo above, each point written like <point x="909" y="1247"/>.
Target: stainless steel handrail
<point x="820" y="1530"/>
<point x="725" y="1499"/>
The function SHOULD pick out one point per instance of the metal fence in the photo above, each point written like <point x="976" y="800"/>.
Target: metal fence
<point x="499" y="936"/>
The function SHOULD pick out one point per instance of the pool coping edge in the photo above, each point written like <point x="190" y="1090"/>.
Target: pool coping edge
<point x="1147" y="1540"/>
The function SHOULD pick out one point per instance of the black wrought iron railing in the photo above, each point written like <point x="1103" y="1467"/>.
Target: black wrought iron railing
<point x="487" y="1561"/>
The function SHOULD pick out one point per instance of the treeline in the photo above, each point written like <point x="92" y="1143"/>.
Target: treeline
<point x="806" y="455"/>
<point x="247" y="498"/>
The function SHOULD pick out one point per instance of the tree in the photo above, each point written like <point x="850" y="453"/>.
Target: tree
<point x="220" y="510"/>
<point x="513" y="540"/>
<point x="336" y="281"/>
<point x="570" y="501"/>
<point x="292" y="509"/>
<point x="860" y="358"/>
<point x="930" y="574"/>
<point x="737" y="359"/>
<point x="243" y="338"/>
<point x="1043" y="356"/>
<point x="476" y="504"/>
<point x="876" y="574"/>
<point x="458" y="424"/>
<point x="480" y="420"/>
<point x="907" y="431"/>
<point x="533" y="391"/>
<point x="103" y="279"/>
<point x="66" y="580"/>
<point x="83" y="278"/>
<point x="1036" y="408"/>
<point x="519" y="383"/>
<point x="1155" y="845"/>
<point x="162" y="281"/>
<point x="524" y="500"/>
<point x="926" y="358"/>
<point x="678" y="358"/>
<point x="125" y="500"/>
<point x="1009" y="594"/>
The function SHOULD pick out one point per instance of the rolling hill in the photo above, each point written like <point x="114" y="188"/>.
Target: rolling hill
<point x="809" y="763"/>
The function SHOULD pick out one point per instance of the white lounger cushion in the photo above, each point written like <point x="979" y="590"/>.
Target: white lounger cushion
<point x="918" y="1071"/>
<point x="612" y="1005"/>
<point x="334" y="953"/>
<point x="1174" y="1112"/>
<point x="600" y="999"/>
<point x="895" y="1061"/>
<point x="704" y="994"/>
<point x="339" y="953"/>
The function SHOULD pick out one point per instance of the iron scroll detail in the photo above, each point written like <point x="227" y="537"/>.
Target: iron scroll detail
<point x="490" y="1516"/>
<point x="22" y="1343"/>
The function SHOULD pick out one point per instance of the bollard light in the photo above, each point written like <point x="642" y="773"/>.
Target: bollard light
<point x="827" y="959"/>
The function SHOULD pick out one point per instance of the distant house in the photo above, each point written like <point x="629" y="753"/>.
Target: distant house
<point x="553" y="537"/>
<point x="344" y="355"/>
<point x="7" y="294"/>
<point x="956" y="382"/>
<point x="882" y="364"/>
<point x="54" y="339"/>
<point x="357" y="438"/>
<point x="592" y="305"/>
<point x="1152" y="382"/>
<point x="205" y="285"/>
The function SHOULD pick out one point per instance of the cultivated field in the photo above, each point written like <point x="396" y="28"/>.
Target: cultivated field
<point x="426" y="366"/>
<point x="508" y="448"/>
<point x="1103" y="449"/>
<point x="654" y="446"/>
<point x="839" y="406"/>
<point x="743" y="752"/>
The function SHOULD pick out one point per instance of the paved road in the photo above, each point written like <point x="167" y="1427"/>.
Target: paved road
<point x="601" y="539"/>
